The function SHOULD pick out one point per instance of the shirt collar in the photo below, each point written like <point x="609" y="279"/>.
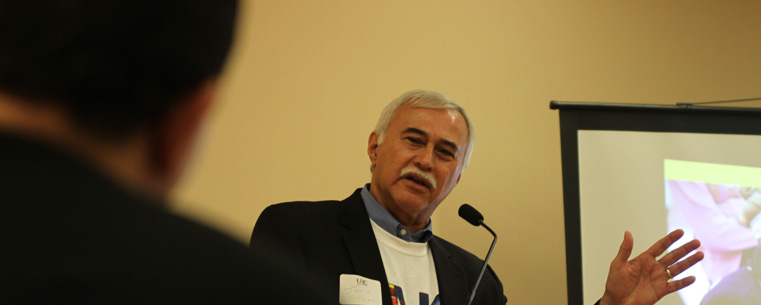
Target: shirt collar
<point x="385" y="220"/>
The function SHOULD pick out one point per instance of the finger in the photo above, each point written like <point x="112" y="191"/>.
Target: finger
<point x="664" y="243"/>
<point x="686" y="263"/>
<point x="677" y="254"/>
<point x="625" y="250"/>
<point x="673" y="286"/>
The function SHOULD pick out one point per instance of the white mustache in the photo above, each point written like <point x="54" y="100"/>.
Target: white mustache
<point x="425" y="175"/>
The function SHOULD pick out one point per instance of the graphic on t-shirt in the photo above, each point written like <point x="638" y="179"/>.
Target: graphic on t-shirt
<point x="397" y="296"/>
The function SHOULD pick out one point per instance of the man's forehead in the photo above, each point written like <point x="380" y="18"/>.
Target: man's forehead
<point x="447" y="124"/>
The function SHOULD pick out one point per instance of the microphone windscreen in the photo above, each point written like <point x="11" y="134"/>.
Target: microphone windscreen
<point x="470" y="214"/>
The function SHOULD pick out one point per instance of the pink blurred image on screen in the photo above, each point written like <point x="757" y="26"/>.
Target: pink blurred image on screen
<point x="720" y="216"/>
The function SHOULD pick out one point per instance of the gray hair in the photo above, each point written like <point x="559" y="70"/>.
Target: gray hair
<point x="425" y="99"/>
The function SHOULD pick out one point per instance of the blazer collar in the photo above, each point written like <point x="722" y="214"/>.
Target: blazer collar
<point x="360" y="242"/>
<point x="453" y="285"/>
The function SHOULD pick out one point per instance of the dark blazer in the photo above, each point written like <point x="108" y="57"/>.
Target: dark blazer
<point x="331" y="238"/>
<point x="71" y="235"/>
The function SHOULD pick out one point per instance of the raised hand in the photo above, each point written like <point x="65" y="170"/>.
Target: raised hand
<point x="646" y="278"/>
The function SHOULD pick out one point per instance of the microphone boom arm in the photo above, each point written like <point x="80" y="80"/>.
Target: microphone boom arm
<point x="486" y="263"/>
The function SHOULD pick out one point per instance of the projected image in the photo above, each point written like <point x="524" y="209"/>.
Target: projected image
<point x="712" y="203"/>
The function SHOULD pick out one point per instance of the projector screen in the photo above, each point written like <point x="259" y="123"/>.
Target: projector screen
<point x="653" y="169"/>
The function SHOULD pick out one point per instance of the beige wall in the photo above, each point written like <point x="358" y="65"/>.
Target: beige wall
<point x="308" y="79"/>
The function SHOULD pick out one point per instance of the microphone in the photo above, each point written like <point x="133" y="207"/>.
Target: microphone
<point x="470" y="214"/>
<point x="475" y="218"/>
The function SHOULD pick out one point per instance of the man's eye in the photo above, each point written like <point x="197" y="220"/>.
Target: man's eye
<point x="446" y="152"/>
<point x="414" y="140"/>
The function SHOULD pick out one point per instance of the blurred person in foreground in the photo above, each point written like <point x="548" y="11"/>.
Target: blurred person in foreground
<point x="100" y="105"/>
<point x="383" y="233"/>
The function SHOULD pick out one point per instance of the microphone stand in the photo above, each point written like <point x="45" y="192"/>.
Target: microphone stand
<point x="486" y="262"/>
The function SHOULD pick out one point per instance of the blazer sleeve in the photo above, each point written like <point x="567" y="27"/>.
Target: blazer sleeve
<point x="276" y="232"/>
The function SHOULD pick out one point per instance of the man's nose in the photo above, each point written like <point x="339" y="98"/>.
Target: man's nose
<point x="424" y="158"/>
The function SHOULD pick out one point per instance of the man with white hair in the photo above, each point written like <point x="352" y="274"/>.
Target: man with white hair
<point x="379" y="241"/>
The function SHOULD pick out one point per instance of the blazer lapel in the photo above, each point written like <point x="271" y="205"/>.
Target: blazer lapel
<point x="453" y="287"/>
<point x="361" y="244"/>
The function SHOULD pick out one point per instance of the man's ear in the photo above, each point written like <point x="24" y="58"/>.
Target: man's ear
<point x="372" y="148"/>
<point x="174" y="138"/>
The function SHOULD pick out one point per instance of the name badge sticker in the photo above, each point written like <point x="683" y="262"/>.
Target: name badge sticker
<point x="359" y="290"/>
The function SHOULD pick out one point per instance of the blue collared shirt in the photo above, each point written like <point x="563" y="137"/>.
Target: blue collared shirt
<point x="385" y="220"/>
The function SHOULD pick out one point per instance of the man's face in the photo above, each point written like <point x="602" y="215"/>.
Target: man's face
<point x="419" y="142"/>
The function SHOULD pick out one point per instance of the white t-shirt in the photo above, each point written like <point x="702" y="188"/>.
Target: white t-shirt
<point x="409" y="268"/>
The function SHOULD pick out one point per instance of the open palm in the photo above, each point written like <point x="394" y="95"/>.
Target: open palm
<point x="644" y="279"/>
